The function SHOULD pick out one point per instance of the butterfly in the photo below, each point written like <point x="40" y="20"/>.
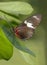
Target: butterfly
<point x="26" y="29"/>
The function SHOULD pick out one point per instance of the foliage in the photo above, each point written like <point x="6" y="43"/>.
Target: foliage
<point x="10" y="14"/>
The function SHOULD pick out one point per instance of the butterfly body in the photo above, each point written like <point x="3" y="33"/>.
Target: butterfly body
<point x="26" y="29"/>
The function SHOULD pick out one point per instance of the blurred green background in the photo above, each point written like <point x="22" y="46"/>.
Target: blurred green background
<point x="39" y="42"/>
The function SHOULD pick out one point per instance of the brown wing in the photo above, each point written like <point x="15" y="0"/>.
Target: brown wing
<point x="24" y="32"/>
<point x="35" y="19"/>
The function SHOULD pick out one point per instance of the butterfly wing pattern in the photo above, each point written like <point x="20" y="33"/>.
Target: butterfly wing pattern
<point x="26" y="28"/>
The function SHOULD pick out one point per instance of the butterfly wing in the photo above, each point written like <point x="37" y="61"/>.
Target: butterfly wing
<point x="26" y="29"/>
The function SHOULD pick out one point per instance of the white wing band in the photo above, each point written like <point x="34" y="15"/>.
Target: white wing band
<point x="36" y="17"/>
<point x="30" y="25"/>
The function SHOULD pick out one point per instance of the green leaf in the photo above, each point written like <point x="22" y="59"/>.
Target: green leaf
<point x="12" y="38"/>
<point x="16" y="8"/>
<point x="29" y="59"/>
<point x="6" y="49"/>
<point x="9" y="18"/>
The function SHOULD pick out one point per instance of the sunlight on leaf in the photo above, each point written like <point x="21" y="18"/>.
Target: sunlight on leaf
<point x="6" y="49"/>
<point x="16" y="8"/>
